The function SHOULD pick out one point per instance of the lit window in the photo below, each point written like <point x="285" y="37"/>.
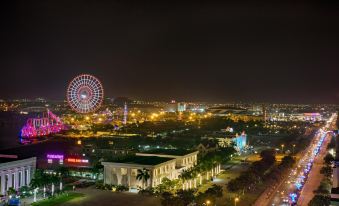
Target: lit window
<point x="50" y="161"/>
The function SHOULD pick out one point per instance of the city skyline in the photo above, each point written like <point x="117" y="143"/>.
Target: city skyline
<point x="193" y="52"/>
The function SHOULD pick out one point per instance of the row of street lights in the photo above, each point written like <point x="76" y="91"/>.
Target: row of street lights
<point x="235" y="201"/>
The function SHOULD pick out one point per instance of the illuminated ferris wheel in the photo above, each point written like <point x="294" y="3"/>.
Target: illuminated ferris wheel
<point x="85" y="93"/>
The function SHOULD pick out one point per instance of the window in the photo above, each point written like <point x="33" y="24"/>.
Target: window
<point x="49" y="161"/>
<point x="134" y="172"/>
<point x="123" y="171"/>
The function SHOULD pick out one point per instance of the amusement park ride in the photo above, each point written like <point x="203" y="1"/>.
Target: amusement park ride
<point x="37" y="127"/>
<point x="85" y="94"/>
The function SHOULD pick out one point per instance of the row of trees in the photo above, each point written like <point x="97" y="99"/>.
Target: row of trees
<point x="41" y="179"/>
<point x="247" y="180"/>
<point x="262" y="170"/>
<point x="322" y="193"/>
<point x="187" y="197"/>
<point x="208" y="166"/>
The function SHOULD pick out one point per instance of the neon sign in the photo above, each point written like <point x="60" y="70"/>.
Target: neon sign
<point x="76" y="160"/>
<point x="55" y="156"/>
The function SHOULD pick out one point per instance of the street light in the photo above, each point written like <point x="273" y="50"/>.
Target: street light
<point x="208" y="202"/>
<point x="235" y="201"/>
<point x="282" y="148"/>
<point x="293" y="148"/>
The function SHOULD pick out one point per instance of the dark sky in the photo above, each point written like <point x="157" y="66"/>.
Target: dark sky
<point x="282" y="52"/>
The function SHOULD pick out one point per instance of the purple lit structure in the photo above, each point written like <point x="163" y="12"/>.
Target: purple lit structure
<point x="37" y="127"/>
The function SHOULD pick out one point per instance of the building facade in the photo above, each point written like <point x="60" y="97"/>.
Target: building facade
<point x="239" y="141"/>
<point x="159" y="166"/>
<point x="16" y="173"/>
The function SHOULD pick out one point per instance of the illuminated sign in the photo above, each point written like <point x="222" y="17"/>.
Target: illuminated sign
<point x="55" y="156"/>
<point x="76" y="160"/>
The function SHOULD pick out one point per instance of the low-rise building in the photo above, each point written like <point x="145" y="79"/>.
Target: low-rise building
<point x="159" y="164"/>
<point x="207" y="146"/>
<point x="15" y="172"/>
<point x="239" y="141"/>
<point x="184" y="159"/>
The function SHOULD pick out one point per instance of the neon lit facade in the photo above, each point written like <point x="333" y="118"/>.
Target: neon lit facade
<point x="240" y="141"/>
<point x="55" y="156"/>
<point x="37" y="127"/>
<point x="85" y="93"/>
<point x="77" y="160"/>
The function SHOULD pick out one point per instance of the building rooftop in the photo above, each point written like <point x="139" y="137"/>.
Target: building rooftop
<point x="144" y="160"/>
<point x="174" y="152"/>
<point x="4" y="159"/>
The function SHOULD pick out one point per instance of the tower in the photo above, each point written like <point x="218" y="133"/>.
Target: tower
<point x="125" y="114"/>
<point x="264" y="111"/>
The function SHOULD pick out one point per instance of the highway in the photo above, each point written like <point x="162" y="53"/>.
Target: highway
<point x="298" y="185"/>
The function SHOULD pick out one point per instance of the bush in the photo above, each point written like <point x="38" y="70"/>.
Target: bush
<point x="108" y="187"/>
<point x="323" y="200"/>
<point x="24" y="191"/>
<point x="101" y="186"/>
<point x="147" y="192"/>
<point x="121" y="188"/>
<point x="328" y="159"/>
<point x="326" y="171"/>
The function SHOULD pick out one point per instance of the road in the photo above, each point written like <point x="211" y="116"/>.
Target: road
<point x="306" y="172"/>
<point x="314" y="176"/>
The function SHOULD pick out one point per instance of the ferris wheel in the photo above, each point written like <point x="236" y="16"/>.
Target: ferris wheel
<point x="85" y="93"/>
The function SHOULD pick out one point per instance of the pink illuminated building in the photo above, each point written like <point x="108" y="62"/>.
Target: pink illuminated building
<point x="37" y="127"/>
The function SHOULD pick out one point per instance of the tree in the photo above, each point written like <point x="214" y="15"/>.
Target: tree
<point x="324" y="187"/>
<point x="268" y="156"/>
<point x="215" y="190"/>
<point x="166" y="198"/>
<point x="11" y="191"/>
<point x="39" y="179"/>
<point x="186" y="196"/>
<point x="323" y="200"/>
<point x="62" y="172"/>
<point x="143" y="175"/>
<point x="166" y="185"/>
<point x="97" y="168"/>
<point x="328" y="159"/>
<point x="326" y="170"/>
<point x="287" y="162"/>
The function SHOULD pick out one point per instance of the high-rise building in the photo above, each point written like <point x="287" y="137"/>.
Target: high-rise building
<point x="181" y="107"/>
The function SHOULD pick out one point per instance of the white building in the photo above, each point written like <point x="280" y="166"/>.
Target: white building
<point x="160" y="164"/>
<point x="181" y="107"/>
<point x="15" y="172"/>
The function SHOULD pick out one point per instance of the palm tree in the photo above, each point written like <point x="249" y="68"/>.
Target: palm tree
<point x="185" y="176"/>
<point x="143" y="175"/>
<point x="40" y="179"/>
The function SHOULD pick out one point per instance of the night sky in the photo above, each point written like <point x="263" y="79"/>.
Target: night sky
<point x="286" y="52"/>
